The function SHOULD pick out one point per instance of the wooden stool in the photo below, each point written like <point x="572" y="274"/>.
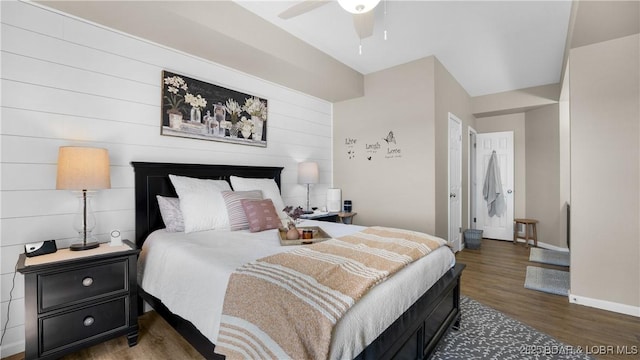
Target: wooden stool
<point x="526" y="223"/>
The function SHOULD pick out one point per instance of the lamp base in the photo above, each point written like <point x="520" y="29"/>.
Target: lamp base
<point x="83" y="246"/>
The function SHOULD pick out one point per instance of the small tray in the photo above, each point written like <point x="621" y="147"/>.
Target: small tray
<point x="319" y="235"/>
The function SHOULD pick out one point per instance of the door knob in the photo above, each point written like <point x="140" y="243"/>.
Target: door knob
<point x="509" y="191"/>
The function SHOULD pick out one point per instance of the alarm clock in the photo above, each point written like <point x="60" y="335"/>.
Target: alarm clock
<point x="40" y="248"/>
<point x="116" y="240"/>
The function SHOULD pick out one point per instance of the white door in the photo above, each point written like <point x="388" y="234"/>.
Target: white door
<point x="495" y="227"/>
<point x="455" y="183"/>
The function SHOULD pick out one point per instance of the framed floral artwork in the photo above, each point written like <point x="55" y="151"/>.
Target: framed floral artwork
<point x="196" y="109"/>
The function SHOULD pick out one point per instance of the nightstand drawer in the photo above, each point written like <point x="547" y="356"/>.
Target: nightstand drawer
<point x="61" y="288"/>
<point x="67" y="328"/>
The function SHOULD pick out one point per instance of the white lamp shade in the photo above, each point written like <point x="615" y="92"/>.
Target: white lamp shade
<point x="358" y="6"/>
<point x="83" y="168"/>
<point x="307" y="173"/>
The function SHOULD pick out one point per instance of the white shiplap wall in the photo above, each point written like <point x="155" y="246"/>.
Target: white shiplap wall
<point x="65" y="81"/>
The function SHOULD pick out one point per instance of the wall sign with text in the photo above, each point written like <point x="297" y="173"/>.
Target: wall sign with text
<point x="386" y="147"/>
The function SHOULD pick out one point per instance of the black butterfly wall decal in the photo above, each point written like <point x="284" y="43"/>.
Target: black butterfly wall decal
<point x="390" y="138"/>
<point x="351" y="154"/>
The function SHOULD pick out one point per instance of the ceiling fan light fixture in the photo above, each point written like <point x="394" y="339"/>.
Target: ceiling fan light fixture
<point x="358" y="6"/>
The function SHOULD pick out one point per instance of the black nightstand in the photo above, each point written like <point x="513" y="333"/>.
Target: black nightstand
<point x="79" y="299"/>
<point x="328" y="217"/>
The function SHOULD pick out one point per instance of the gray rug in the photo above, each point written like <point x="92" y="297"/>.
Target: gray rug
<point x="547" y="280"/>
<point x="489" y="334"/>
<point x="549" y="257"/>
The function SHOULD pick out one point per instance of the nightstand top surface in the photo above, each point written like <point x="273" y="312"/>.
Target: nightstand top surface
<point x="318" y="215"/>
<point x="347" y="214"/>
<point x="65" y="256"/>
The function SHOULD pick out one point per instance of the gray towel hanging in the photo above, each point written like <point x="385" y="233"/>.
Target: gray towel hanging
<point x="492" y="189"/>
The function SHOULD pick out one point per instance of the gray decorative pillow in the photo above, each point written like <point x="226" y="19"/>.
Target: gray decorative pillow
<point x="268" y="187"/>
<point x="237" y="218"/>
<point x="171" y="213"/>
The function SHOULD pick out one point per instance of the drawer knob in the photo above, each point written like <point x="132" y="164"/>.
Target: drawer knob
<point x="87" y="281"/>
<point x="88" y="321"/>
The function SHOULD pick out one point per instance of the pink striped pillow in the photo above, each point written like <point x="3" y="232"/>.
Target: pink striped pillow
<point x="261" y="214"/>
<point x="237" y="218"/>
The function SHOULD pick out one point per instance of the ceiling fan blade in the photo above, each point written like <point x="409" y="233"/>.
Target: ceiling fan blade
<point x="364" y="24"/>
<point x="301" y="8"/>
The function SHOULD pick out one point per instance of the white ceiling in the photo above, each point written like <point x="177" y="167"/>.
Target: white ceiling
<point x="488" y="46"/>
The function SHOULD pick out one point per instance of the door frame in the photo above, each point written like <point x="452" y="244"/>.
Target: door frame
<point x="471" y="173"/>
<point x="456" y="246"/>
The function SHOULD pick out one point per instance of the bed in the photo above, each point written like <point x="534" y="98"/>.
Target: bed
<point x="413" y="334"/>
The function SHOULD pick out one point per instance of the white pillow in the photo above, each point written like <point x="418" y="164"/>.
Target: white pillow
<point x="268" y="187"/>
<point x="201" y="203"/>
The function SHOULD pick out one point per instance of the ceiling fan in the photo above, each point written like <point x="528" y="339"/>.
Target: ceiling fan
<point x="363" y="17"/>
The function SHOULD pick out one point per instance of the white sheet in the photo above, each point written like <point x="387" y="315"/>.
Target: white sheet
<point x="190" y="272"/>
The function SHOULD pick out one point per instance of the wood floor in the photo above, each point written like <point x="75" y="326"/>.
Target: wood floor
<point x="494" y="276"/>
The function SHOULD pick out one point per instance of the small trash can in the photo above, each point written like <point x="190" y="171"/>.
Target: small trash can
<point x="472" y="238"/>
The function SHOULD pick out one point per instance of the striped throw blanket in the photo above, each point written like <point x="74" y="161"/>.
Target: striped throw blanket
<point x="285" y="306"/>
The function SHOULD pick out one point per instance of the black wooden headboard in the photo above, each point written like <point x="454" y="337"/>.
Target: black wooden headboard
<point x="152" y="179"/>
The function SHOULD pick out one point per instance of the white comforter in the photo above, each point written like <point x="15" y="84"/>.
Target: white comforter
<point x="189" y="274"/>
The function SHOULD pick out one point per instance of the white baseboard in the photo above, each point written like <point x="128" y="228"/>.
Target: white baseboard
<point x="605" y="305"/>
<point x="540" y="244"/>
<point x="11" y="349"/>
<point x="552" y="247"/>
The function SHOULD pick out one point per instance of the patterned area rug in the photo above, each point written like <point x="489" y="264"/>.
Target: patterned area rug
<point x="489" y="334"/>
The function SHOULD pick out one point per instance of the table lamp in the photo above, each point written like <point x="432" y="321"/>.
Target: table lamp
<point x="308" y="174"/>
<point x="83" y="169"/>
